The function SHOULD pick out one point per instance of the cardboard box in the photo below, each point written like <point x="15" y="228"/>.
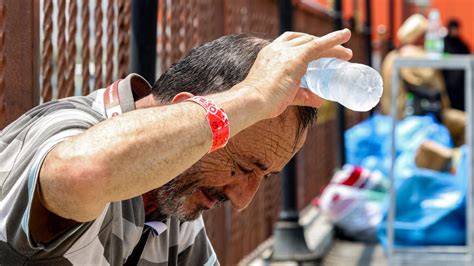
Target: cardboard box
<point x="433" y="156"/>
<point x="455" y="121"/>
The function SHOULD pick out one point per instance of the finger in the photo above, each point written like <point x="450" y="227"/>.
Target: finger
<point x="327" y="42"/>
<point x="338" y="52"/>
<point x="305" y="97"/>
<point x="332" y="39"/>
<point x="288" y="35"/>
<point x="301" y="39"/>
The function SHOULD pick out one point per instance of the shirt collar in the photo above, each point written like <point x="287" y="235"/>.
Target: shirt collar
<point x="120" y="96"/>
<point x="157" y="226"/>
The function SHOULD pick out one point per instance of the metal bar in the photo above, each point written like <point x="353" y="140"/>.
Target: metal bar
<point x="163" y="37"/>
<point x="288" y="185"/>
<point x="368" y="31"/>
<point x="469" y="87"/>
<point x="407" y="258"/>
<point x="2" y="62"/>
<point x="85" y="47"/>
<point x="47" y="53"/>
<point x="285" y="11"/>
<point x="450" y="62"/>
<point x="391" y="29"/>
<point x="337" y="14"/>
<point x="289" y="242"/>
<point x="143" y="60"/>
<point x="440" y="260"/>
<point x="185" y="26"/>
<point x="288" y="212"/>
<point x="174" y="38"/>
<point x="21" y="54"/>
<point x="193" y="40"/>
<point x="98" y="45"/>
<point x="341" y="114"/>
<point x="71" y="48"/>
<point x="123" y="37"/>
<point x="62" y="54"/>
<point x="459" y="254"/>
<point x="392" y="204"/>
<point x="109" y="61"/>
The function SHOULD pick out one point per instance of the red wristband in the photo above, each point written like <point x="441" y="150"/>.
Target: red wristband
<point x="218" y="122"/>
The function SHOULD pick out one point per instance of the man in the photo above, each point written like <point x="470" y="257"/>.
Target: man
<point x="411" y="36"/>
<point x="82" y="177"/>
<point x="453" y="44"/>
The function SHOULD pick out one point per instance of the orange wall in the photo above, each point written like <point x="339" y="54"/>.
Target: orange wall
<point x="463" y="10"/>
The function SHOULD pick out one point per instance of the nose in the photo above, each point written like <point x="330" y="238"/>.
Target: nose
<point x="241" y="191"/>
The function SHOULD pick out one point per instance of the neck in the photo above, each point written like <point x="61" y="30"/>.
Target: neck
<point x="147" y="102"/>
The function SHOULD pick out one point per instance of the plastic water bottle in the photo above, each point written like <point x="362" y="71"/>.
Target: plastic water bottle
<point x="410" y="104"/>
<point x="434" y="43"/>
<point x="355" y="86"/>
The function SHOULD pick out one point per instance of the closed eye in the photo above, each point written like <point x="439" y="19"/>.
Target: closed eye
<point x="243" y="169"/>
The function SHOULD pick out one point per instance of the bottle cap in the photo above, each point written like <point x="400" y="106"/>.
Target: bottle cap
<point x="434" y="14"/>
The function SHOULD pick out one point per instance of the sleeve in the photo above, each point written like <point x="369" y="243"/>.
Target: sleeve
<point x="38" y="139"/>
<point x="194" y="246"/>
<point x="32" y="180"/>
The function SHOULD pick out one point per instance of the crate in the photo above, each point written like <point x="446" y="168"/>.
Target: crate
<point x="435" y="255"/>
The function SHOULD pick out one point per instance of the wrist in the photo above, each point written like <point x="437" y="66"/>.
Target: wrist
<point x="255" y="101"/>
<point x="217" y="119"/>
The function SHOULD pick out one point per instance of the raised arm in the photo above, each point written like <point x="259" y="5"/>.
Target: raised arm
<point x="141" y="150"/>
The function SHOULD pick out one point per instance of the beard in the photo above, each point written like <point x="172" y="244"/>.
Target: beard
<point x="173" y="198"/>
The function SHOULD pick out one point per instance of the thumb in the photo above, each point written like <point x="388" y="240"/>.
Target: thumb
<point x="305" y="97"/>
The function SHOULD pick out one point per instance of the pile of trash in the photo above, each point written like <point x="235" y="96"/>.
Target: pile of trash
<point x="430" y="173"/>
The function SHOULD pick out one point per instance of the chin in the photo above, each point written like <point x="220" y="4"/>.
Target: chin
<point x="183" y="206"/>
<point x="188" y="215"/>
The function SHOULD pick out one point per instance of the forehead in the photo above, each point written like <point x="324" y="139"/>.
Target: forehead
<point x="270" y="142"/>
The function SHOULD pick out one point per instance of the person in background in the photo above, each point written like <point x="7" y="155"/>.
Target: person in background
<point x="453" y="44"/>
<point x="411" y="37"/>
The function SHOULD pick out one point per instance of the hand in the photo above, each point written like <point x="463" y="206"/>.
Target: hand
<point x="279" y="67"/>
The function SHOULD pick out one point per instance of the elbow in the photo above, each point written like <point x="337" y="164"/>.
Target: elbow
<point x="74" y="188"/>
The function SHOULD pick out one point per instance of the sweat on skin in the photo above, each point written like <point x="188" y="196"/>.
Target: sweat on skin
<point x="161" y="146"/>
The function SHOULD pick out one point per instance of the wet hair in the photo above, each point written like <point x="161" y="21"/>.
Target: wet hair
<point x="215" y="67"/>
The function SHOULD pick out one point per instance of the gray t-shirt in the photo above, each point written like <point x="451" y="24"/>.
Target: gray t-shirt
<point x="109" y="239"/>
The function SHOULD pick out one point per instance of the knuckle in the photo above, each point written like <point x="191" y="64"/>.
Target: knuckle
<point x="309" y="37"/>
<point x="316" y="45"/>
<point x="288" y="33"/>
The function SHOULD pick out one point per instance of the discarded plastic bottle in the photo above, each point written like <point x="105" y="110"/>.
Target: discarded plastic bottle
<point x="355" y="86"/>
<point x="434" y="44"/>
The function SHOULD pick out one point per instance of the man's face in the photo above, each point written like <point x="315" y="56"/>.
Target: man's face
<point x="453" y="31"/>
<point x="233" y="173"/>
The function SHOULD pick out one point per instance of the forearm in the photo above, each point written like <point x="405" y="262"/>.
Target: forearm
<point x="139" y="151"/>
<point x="134" y="153"/>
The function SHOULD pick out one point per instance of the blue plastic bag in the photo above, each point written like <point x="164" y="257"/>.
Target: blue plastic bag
<point x="430" y="205"/>
<point x="368" y="144"/>
<point x="412" y="131"/>
<point x="368" y="139"/>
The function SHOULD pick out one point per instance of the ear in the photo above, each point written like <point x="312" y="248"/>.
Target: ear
<point x="182" y="96"/>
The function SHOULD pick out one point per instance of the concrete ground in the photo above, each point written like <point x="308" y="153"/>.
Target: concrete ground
<point x="320" y="237"/>
<point x="348" y="253"/>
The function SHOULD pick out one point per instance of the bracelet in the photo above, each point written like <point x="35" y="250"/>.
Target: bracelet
<point x="218" y="122"/>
